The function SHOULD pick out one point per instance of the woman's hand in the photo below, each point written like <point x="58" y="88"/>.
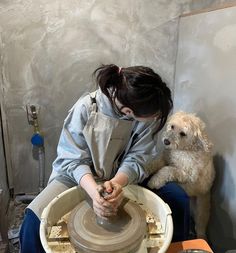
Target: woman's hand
<point x="102" y="207"/>
<point x="115" y="194"/>
<point x="106" y="205"/>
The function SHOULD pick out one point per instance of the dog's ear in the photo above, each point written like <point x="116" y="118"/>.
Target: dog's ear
<point x="203" y="141"/>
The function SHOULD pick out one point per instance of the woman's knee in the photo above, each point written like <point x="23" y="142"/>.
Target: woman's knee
<point x="174" y="192"/>
<point x="179" y="202"/>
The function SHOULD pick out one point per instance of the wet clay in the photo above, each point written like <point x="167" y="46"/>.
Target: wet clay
<point x="121" y="234"/>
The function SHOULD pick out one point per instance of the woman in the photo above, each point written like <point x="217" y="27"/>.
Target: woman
<point x="108" y="136"/>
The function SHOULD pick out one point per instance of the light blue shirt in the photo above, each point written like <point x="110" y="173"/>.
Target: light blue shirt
<point x="73" y="156"/>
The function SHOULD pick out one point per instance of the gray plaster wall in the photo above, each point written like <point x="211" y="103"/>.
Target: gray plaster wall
<point x="49" y="50"/>
<point x="205" y="85"/>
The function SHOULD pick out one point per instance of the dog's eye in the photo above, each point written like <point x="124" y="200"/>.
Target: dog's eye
<point x="182" y="134"/>
<point x="172" y="127"/>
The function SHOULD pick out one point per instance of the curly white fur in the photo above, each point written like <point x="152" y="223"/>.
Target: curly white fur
<point x="187" y="160"/>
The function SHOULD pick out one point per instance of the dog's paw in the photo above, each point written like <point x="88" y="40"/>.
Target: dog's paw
<point x="155" y="183"/>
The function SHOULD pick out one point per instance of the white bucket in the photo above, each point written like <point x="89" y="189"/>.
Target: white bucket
<point x="66" y="201"/>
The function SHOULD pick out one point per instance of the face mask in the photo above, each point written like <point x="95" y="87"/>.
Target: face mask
<point x="130" y="115"/>
<point x="142" y="119"/>
<point x="145" y="119"/>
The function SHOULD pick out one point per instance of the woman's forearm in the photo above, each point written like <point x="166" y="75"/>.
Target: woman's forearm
<point x="88" y="183"/>
<point x="121" y="179"/>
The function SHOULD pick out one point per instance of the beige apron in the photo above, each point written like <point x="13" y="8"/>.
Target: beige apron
<point x="106" y="138"/>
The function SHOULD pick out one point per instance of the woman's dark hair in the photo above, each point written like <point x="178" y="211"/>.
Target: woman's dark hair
<point x="138" y="87"/>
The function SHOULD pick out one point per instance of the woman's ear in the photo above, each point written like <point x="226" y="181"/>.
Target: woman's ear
<point x="127" y="111"/>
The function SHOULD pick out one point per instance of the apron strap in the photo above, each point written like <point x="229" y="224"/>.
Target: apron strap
<point x="134" y="137"/>
<point x="93" y="107"/>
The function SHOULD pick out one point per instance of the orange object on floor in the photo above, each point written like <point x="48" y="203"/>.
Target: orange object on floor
<point x="175" y="247"/>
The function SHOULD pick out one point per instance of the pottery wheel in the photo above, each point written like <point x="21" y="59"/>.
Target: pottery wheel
<point x="124" y="233"/>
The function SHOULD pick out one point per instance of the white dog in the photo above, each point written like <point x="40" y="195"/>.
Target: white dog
<point x="187" y="160"/>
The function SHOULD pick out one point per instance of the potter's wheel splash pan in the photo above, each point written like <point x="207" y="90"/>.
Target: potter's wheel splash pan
<point x="123" y="234"/>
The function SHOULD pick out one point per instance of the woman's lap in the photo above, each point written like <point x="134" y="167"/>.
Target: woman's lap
<point x="179" y="203"/>
<point x="29" y="232"/>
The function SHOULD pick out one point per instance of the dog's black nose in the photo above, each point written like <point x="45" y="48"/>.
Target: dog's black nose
<point x="166" y="142"/>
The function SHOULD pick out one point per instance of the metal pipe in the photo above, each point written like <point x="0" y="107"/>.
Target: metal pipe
<point x="41" y="167"/>
<point x="38" y="142"/>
